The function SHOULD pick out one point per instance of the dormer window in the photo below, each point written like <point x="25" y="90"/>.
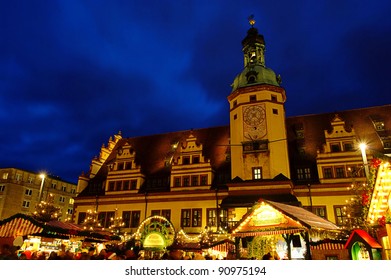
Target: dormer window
<point x="196" y="159"/>
<point x="348" y="147"/>
<point x="335" y="147"/>
<point x="251" y="77"/>
<point x="186" y="160"/>
<point x="379" y="125"/>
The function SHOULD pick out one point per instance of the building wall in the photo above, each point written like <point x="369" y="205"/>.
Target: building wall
<point x="21" y="191"/>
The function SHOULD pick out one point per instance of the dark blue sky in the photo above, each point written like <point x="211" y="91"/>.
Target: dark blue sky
<point x="74" y="72"/>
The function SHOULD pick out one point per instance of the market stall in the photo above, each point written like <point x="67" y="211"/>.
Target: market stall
<point x="282" y="229"/>
<point x="28" y="234"/>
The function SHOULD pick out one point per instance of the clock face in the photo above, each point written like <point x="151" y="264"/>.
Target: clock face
<point x="254" y="115"/>
<point x="254" y="122"/>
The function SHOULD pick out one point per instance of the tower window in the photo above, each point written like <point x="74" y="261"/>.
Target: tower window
<point x="257" y="173"/>
<point x="255" y="146"/>
<point x="253" y="98"/>
<point x="274" y="98"/>
<point x="303" y="173"/>
<point x="275" y="111"/>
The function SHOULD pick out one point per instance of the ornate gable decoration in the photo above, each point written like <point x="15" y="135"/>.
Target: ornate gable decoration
<point x="339" y="138"/>
<point x="339" y="129"/>
<point x="191" y="151"/>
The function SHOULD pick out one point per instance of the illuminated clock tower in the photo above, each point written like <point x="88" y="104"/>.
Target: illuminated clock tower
<point x="259" y="147"/>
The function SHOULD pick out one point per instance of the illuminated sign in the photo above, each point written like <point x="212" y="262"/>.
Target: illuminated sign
<point x="266" y="215"/>
<point x="154" y="240"/>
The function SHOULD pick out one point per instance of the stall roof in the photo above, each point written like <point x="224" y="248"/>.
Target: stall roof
<point x="23" y="225"/>
<point x="362" y="235"/>
<point x="268" y="218"/>
<point x="19" y="225"/>
<point x="306" y="217"/>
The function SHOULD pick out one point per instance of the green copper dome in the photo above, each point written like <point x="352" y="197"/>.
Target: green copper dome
<point x="255" y="75"/>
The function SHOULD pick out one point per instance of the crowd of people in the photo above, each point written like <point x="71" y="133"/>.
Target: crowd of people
<point x="8" y="252"/>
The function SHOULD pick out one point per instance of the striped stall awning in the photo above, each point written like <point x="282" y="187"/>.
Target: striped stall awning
<point x="225" y="246"/>
<point x="328" y="246"/>
<point x="19" y="227"/>
<point x="269" y="232"/>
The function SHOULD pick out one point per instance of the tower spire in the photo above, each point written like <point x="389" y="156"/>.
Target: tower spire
<point x="251" y="20"/>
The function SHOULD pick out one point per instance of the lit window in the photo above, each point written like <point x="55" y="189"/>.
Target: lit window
<point x="185" y="217"/>
<point x="257" y="173"/>
<point x="5" y="176"/>
<point x="340" y="215"/>
<point x="211" y="217"/>
<point x="197" y="217"/>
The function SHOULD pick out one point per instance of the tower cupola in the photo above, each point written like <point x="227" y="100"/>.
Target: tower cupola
<point x="255" y="70"/>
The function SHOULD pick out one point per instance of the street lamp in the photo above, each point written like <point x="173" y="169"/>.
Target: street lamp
<point x="363" y="148"/>
<point x="42" y="176"/>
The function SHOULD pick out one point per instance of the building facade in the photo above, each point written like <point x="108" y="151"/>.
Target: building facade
<point x="21" y="191"/>
<point x="210" y="177"/>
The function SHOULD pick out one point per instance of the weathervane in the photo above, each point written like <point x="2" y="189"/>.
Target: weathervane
<point x="251" y="20"/>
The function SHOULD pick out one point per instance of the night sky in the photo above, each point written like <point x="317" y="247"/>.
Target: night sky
<point x="74" y="72"/>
